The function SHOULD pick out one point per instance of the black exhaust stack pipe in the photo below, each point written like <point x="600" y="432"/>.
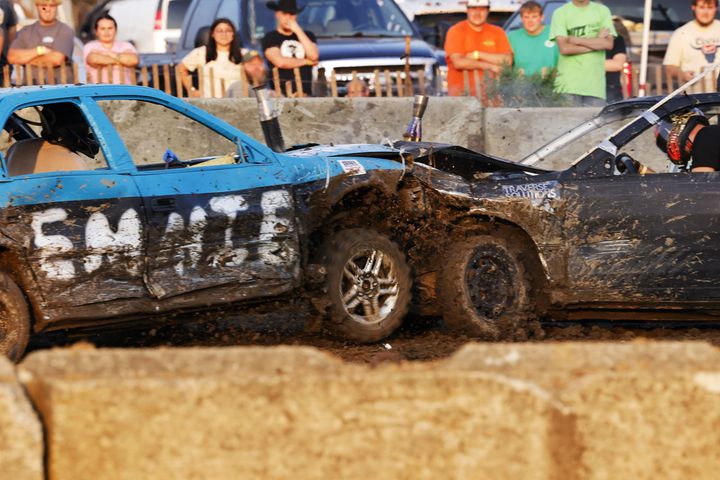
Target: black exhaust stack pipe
<point x="269" y="120"/>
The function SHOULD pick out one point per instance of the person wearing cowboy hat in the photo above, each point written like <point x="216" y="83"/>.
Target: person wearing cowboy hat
<point x="47" y="42"/>
<point x="290" y="47"/>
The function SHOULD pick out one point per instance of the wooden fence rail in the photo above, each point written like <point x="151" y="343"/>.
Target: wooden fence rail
<point x="165" y="77"/>
<point x="382" y="83"/>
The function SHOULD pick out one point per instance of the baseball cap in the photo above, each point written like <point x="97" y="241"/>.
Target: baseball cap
<point x="249" y="54"/>
<point x="478" y="3"/>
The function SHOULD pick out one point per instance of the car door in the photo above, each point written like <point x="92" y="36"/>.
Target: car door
<point x="76" y="219"/>
<point x="215" y="216"/>
<point x="644" y="238"/>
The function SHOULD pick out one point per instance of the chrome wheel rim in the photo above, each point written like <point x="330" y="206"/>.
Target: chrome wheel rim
<point x="369" y="287"/>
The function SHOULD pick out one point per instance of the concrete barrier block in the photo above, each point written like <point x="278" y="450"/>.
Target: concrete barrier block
<point x="661" y="423"/>
<point x="21" y="442"/>
<point x="357" y="120"/>
<point x="287" y="413"/>
<point x="513" y="133"/>
<point x="640" y="410"/>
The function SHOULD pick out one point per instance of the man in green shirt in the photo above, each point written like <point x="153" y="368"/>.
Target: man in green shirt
<point x="533" y="51"/>
<point x="583" y="31"/>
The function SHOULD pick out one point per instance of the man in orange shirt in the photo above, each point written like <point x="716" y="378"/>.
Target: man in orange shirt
<point x="473" y="44"/>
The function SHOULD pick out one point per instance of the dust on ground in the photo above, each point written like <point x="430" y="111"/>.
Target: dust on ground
<point x="293" y="323"/>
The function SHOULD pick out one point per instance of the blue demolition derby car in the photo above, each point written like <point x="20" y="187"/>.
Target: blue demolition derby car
<point x="120" y="200"/>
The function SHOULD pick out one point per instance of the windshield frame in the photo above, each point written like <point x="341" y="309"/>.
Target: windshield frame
<point x="400" y="26"/>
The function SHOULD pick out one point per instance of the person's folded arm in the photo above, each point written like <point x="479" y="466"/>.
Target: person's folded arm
<point x="566" y="47"/>
<point x="21" y="56"/>
<point x="128" y="59"/>
<point x="616" y="63"/>
<point x="99" y="59"/>
<point x="677" y="72"/>
<point x="52" y="58"/>
<point x="462" y="62"/>
<point x="598" y="43"/>
<point x="276" y="59"/>
<point x="493" y="58"/>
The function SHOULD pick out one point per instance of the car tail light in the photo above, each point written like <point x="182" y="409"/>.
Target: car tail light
<point x="158" y="18"/>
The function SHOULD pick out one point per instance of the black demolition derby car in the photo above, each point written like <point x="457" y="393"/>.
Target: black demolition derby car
<point x="621" y="234"/>
<point x="119" y="201"/>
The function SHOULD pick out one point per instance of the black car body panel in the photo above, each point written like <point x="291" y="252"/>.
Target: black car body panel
<point x="606" y="240"/>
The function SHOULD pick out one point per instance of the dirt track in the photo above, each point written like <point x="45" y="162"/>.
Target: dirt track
<point x="420" y="339"/>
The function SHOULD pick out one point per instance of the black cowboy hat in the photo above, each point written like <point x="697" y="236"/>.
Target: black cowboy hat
<point x="287" y="6"/>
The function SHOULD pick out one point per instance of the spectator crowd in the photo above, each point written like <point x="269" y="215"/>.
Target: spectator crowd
<point x="582" y="47"/>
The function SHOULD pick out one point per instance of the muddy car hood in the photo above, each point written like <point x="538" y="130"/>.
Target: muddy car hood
<point x="348" y="150"/>
<point x="443" y="166"/>
<point x="442" y="156"/>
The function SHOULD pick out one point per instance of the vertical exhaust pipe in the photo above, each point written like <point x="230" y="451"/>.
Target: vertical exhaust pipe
<point x="269" y="119"/>
<point x="413" y="133"/>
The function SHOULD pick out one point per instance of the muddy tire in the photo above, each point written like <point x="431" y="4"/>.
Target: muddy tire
<point x="368" y="285"/>
<point x="14" y="319"/>
<point x="483" y="288"/>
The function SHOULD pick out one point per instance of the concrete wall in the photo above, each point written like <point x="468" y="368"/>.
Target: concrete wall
<point x="507" y="133"/>
<point x="536" y="411"/>
<point x="21" y="442"/>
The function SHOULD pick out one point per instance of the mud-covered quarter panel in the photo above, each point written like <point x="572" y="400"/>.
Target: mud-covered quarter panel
<point x="470" y="190"/>
<point x="353" y="178"/>
<point x="75" y="251"/>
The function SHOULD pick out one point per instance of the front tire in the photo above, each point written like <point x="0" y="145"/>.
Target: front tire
<point x="483" y="288"/>
<point x="368" y="285"/>
<point x="14" y="319"/>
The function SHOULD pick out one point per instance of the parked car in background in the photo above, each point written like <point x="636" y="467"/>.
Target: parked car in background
<point x="169" y="17"/>
<point x="134" y="18"/>
<point x="353" y="36"/>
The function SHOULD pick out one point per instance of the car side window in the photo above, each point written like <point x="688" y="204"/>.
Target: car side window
<point x="50" y="137"/>
<point x="157" y="136"/>
<point x="645" y="150"/>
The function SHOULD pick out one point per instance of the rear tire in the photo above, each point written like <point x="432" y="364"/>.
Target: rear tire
<point x="368" y="285"/>
<point x="483" y="288"/>
<point x="14" y="319"/>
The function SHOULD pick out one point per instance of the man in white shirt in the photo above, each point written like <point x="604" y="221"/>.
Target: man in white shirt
<point x="694" y="46"/>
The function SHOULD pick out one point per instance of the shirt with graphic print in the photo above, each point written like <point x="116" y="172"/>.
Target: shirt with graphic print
<point x="583" y="73"/>
<point x="693" y="46"/>
<point x="290" y="47"/>
<point x="532" y="53"/>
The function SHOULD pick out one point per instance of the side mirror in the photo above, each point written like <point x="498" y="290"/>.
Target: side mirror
<point x="203" y="37"/>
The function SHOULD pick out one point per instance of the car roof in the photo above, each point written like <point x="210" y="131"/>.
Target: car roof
<point x="80" y="90"/>
<point x="16" y="96"/>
